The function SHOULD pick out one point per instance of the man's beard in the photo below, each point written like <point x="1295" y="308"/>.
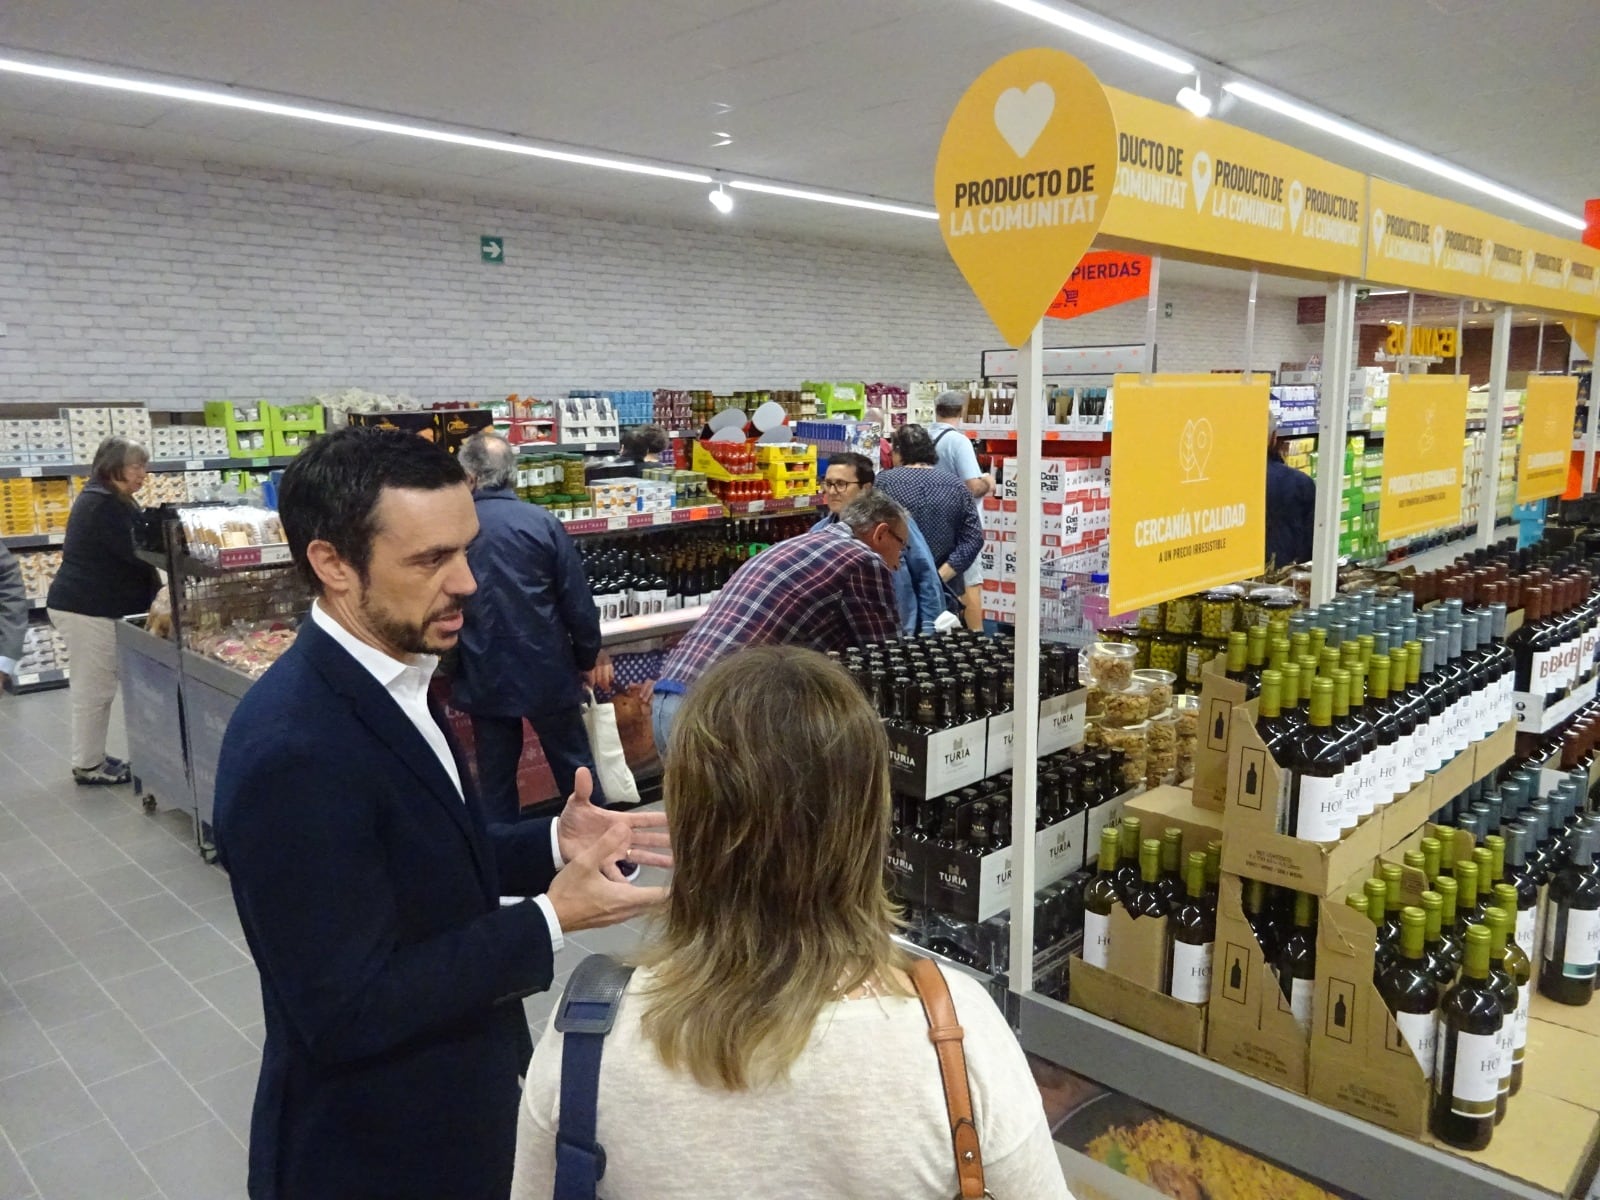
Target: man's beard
<point x="408" y="639"/>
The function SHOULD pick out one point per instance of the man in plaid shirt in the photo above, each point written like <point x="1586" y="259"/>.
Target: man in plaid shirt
<point x="829" y="589"/>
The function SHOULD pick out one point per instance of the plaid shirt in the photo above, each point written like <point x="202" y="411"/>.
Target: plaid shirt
<point x="824" y="590"/>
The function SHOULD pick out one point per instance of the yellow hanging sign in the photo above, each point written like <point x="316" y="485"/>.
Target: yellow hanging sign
<point x="1022" y="180"/>
<point x="1546" y="436"/>
<point x="1422" y="454"/>
<point x="1432" y="342"/>
<point x="1189" y="510"/>
<point x="1219" y="190"/>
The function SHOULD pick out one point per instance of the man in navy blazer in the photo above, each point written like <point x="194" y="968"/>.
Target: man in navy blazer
<point x="366" y="879"/>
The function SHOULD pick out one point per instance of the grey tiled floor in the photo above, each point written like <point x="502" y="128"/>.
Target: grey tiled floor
<point x="130" y="1011"/>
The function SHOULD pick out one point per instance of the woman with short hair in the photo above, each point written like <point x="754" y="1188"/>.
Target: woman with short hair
<point x="101" y="579"/>
<point x="941" y="505"/>
<point x="770" y="1042"/>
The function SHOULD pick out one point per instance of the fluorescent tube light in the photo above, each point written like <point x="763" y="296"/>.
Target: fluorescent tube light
<point x="720" y="200"/>
<point x="224" y="99"/>
<point x="1399" y="151"/>
<point x="794" y="193"/>
<point x="1195" y="101"/>
<point x="1097" y="32"/>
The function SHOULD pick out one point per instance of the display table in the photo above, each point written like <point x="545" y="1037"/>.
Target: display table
<point x="152" y="700"/>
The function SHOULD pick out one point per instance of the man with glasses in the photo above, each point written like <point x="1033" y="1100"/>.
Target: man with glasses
<point x="916" y="583"/>
<point x="829" y="591"/>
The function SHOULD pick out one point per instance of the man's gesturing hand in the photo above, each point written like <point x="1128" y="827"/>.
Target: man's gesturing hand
<point x="585" y="898"/>
<point x="582" y="824"/>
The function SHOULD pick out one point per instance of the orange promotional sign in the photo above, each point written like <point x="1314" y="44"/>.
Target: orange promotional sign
<point x="1102" y="279"/>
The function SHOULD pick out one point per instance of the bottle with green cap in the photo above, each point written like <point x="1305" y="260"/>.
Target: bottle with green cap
<point x="1213" y="872"/>
<point x="1411" y="991"/>
<point x="1483" y="859"/>
<point x="1431" y="849"/>
<point x="1099" y="897"/>
<point x="1357" y="901"/>
<point x="1393" y="901"/>
<point x="1466" y="896"/>
<point x="1505" y="989"/>
<point x="1256" y="653"/>
<point x="1171" y="883"/>
<point x="1446" y="837"/>
<point x="1144" y="899"/>
<point x="1418" y="717"/>
<point x="1572" y="926"/>
<point x="1449" y="890"/>
<point x="1381" y="714"/>
<point x="1417" y="861"/>
<point x="1275" y="730"/>
<point x="1297" y="960"/>
<point x="1434" y="954"/>
<point x="1520" y="968"/>
<point x="1253" y="899"/>
<point x="1466" y="1076"/>
<point x="1315" y="762"/>
<point x="1194" y="934"/>
<point x="1294" y="717"/>
<point x="1127" y="876"/>
<point x="1520" y="876"/>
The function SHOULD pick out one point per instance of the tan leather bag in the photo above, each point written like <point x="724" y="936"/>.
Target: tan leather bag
<point x="946" y="1037"/>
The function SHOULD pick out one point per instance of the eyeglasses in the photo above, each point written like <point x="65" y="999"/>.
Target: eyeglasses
<point x="839" y="485"/>
<point x="889" y="529"/>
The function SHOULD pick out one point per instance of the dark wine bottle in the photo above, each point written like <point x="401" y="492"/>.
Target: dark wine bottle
<point x="1297" y="961"/>
<point x="1144" y="900"/>
<point x="1411" y="991"/>
<point x="1505" y="988"/>
<point x="1316" y="761"/>
<point x="1520" y="967"/>
<point x="1194" y="935"/>
<point x="1172" y="883"/>
<point x="1434" y="953"/>
<point x="1098" y="900"/>
<point x="1466" y="1077"/>
<point x="1449" y="890"/>
<point x="1572" y="926"/>
<point x="1127" y="876"/>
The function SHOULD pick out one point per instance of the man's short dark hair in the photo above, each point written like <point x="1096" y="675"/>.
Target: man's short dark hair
<point x="859" y="463"/>
<point x="642" y="440"/>
<point x="331" y="491"/>
<point x="913" y="445"/>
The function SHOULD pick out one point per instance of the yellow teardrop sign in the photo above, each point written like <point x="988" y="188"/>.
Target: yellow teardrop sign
<point x="1022" y="182"/>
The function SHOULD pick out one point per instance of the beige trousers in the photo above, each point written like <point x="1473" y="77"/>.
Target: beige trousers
<point x="92" y="660"/>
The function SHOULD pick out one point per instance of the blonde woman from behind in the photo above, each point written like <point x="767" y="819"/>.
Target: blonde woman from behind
<point x="770" y="1043"/>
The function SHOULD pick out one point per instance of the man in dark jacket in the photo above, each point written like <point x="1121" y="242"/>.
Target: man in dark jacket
<point x="367" y="881"/>
<point x="13" y="615"/>
<point x="532" y="635"/>
<point x="1291" y="507"/>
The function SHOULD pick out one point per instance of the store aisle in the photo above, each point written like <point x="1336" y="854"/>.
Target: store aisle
<point x="130" y="1012"/>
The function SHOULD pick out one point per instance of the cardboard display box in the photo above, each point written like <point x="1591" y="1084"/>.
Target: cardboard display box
<point x="1219" y="696"/>
<point x="926" y="765"/>
<point x="1167" y="806"/>
<point x="1251" y="1026"/>
<point x="1544" y="1141"/>
<point x="1360" y="1063"/>
<point x="1061" y="727"/>
<point x="1131" y="990"/>
<point x="971" y="887"/>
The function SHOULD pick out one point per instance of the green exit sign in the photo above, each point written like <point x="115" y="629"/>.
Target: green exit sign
<point x="492" y="249"/>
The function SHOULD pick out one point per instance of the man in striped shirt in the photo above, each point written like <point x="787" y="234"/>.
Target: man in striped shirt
<point x="828" y="590"/>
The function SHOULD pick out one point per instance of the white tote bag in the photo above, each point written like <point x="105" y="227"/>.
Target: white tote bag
<point x="611" y="764"/>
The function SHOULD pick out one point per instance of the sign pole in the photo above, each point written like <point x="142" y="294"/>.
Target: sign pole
<point x="1151" y="308"/>
<point x="1461" y="317"/>
<point x="1333" y="419"/>
<point x="1250" y="323"/>
<point x="1489" y="484"/>
<point x="1405" y="342"/>
<point x="1025" y="741"/>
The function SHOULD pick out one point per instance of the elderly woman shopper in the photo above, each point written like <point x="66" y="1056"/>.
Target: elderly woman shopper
<point x="101" y="579"/>
<point x="771" y="1042"/>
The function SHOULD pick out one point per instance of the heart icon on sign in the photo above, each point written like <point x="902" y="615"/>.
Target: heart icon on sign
<point x="1438" y="242"/>
<point x="1194" y="449"/>
<point x="1378" y="227"/>
<point x="1200" y="172"/>
<point x="1297" y="203"/>
<point x="1021" y="116"/>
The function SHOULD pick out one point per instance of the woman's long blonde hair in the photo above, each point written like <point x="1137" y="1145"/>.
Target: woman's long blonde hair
<point x="777" y="797"/>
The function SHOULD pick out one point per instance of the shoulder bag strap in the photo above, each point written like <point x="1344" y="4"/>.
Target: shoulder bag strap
<point x="587" y="1011"/>
<point x="946" y="1037"/>
<point x="943" y="429"/>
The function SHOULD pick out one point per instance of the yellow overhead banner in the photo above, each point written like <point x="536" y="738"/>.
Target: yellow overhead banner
<point x="1220" y="190"/>
<point x="1546" y="436"/>
<point x="1190" y="464"/>
<point x="1422" y="454"/>
<point x="1022" y="181"/>
<point x="1419" y="241"/>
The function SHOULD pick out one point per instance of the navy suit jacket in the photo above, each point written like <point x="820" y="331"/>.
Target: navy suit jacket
<point x="391" y="977"/>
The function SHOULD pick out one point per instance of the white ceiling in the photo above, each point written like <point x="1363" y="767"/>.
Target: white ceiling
<point x="842" y="94"/>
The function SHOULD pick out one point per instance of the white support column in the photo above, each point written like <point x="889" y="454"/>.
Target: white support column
<point x="1333" y="419"/>
<point x="1025" y="740"/>
<point x="1152" y="306"/>
<point x="1250" y="323"/>
<point x="1489" y="484"/>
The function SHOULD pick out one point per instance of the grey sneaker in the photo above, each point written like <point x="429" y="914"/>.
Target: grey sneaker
<point x="105" y="775"/>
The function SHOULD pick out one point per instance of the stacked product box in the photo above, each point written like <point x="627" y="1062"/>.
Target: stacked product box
<point x="587" y="420"/>
<point x="1075" y="525"/>
<point x="246" y="425"/>
<point x="43" y="649"/>
<point x="39" y="568"/>
<point x="34" y="443"/>
<point x="290" y="427"/>
<point x="180" y="443"/>
<point x="88" y="427"/>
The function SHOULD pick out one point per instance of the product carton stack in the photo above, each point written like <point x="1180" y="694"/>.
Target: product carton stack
<point x="88" y="427"/>
<point x="1075" y="525"/>
<point x="34" y="443"/>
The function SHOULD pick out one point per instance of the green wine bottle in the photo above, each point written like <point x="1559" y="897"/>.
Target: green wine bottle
<point x="1434" y="953"/>
<point x="1316" y="761"/>
<point x="1127" y="876"/>
<point x="1431" y="849"/>
<point x="1448" y="890"/>
<point x="1144" y="900"/>
<point x="1098" y="900"/>
<point x="1171" y="882"/>
<point x="1194" y="936"/>
<point x="1466" y="1076"/>
<point x="1297" y="961"/>
<point x="1520" y="968"/>
<point x="1410" y="990"/>
<point x="1572" y="926"/>
<point x="1505" y="989"/>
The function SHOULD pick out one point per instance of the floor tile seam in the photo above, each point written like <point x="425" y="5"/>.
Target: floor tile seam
<point x="21" y="1162"/>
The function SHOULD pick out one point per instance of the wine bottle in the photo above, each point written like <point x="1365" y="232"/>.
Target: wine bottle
<point x="1172" y="881"/>
<point x="1127" y="876"/>
<point x="1434" y="954"/>
<point x="1098" y="899"/>
<point x="1254" y="900"/>
<point x="1448" y="890"/>
<point x="1572" y="926"/>
<point x="1505" y="988"/>
<point x="1213" y="872"/>
<point x="1466" y="1076"/>
<point x="1466" y="896"/>
<point x="1431" y="849"/>
<point x="1315" y="763"/>
<point x="1520" y="968"/>
<point x="1411" y="991"/>
<point x="1393" y="901"/>
<point x="1144" y="900"/>
<point x="1194" y="935"/>
<point x="1297" y="960"/>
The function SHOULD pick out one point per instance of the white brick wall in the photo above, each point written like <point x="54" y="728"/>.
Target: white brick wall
<point x="178" y="282"/>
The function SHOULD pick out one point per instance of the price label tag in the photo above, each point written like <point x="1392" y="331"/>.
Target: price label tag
<point x="195" y="464"/>
<point x="590" y="447"/>
<point x="260" y="462"/>
<point x="758" y="505"/>
<point x="27" y="680"/>
<point x="661" y="518"/>
<point x="57" y="539"/>
<point x="617" y="522"/>
<point x="31" y="472"/>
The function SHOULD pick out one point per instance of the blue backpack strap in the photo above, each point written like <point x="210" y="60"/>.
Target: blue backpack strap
<point x="586" y="1013"/>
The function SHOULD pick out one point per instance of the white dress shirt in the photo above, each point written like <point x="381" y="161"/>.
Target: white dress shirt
<point x="407" y="685"/>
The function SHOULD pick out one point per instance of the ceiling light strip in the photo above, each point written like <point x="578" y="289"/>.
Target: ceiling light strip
<point x="844" y="201"/>
<point x="1399" y="151"/>
<point x="1097" y="32"/>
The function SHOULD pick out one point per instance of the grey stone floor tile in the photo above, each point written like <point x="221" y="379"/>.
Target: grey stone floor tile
<point x="149" y="1104"/>
<point x="41" y="1105"/>
<point x="207" y="1163"/>
<point x="155" y="996"/>
<point x="257" y="1034"/>
<point x="92" y="1162"/>
<point x="48" y="884"/>
<point x="232" y="1096"/>
<point x="15" y="1183"/>
<point x="158" y="855"/>
<point x="32" y="953"/>
<point x="614" y="939"/>
<point x="23" y="854"/>
<point x="63" y="996"/>
<point x="236" y="994"/>
<point x="197" y="882"/>
<point x="89" y="854"/>
<point x="78" y="917"/>
<point x="202" y="1045"/>
<point x="11" y="829"/>
<point x="115" y="953"/>
<point x="159" y="916"/>
<point x="103" y="1045"/>
<point x="122" y="884"/>
<point x="199" y="953"/>
<point x="222" y="915"/>
<point x="55" y="824"/>
<point x="23" y="1045"/>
